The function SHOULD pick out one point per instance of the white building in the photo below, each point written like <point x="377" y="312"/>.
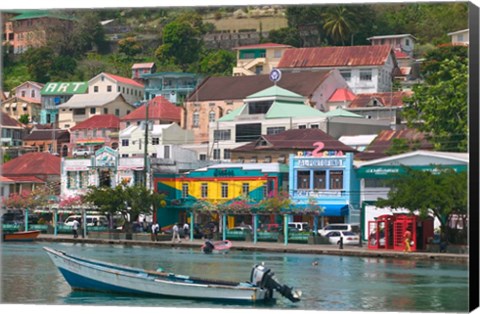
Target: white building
<point x="131" y="90"/>
<point x="461" y="37"/>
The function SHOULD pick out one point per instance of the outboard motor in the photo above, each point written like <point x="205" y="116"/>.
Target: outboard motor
<point x="264" y="278"/>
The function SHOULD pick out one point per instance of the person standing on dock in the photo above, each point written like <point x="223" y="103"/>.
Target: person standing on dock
<point x="155" y="230"/>
<point x="186" y="231"/>
<point x="407" y="237"/>
<point x="75" y="226"/>
<point x="175" y="233"/>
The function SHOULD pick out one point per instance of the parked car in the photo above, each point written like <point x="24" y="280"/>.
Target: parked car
<point x="339" y="227"/>
<point x="349" y="238"/>
<point x="270" y="227"/>
<point x="17" y="217"/>
<point x="301" y="226"/>
<point x="245" y="228"/>
<point x="92" y="220"/>
<point x="81" y="151"/>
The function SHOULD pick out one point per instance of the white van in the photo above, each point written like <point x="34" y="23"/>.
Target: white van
<point x="355" y="228"/>
<point x="301" y="226"/>
<point x="92" y="220"/>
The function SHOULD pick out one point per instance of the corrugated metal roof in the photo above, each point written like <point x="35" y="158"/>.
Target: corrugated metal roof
<point x="102" y="121"/>
<point x="344" y="56"/>
<point x="387" y="99"/>
<point x="91" y="100"/>
<point x="32" y="164"/>
<point x="46" y="134"/>
<point x="296" y="139"/>
<point x="260" y="46"/>
<point x="240" y="87"/>
<point x="159" y="108"/>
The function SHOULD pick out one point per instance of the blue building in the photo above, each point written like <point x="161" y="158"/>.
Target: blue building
<point x="54" y="94"/>
<point x="174" y="86"/>
<point x="326" y="182"/>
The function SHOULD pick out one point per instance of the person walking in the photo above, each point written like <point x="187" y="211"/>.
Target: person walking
<point x="407" y="236"/>
<point x="155" y="230"/>
<point x="75" y="226"/>
<point x="175" y="233"/>
<point x="186" y="231"/>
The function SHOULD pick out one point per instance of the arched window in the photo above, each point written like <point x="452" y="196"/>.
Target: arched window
<point x="211" y="116"/>
<point x="196" y="119"/>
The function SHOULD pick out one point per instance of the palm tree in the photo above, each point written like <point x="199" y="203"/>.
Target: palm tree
<point x="338" y="23"/>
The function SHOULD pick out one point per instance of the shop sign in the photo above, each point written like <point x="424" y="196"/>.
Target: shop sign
<point x="321" y="162"/>
<point x="318" y="153"/>
<point x="223" y="173"/>
<point x="316" y="194"/>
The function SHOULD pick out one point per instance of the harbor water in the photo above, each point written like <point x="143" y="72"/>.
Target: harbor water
<point x="328" y="283"/>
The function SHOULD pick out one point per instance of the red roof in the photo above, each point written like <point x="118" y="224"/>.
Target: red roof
<point x="9" y="121"/>
<point x="159" y="108"/>
<point x="32" y="164"/>
<point x="265" y="45"/>
<point x="24" y="179"/>
<point x="401" y="55"/>
<point x="346" y="56"/>
<point x="124" y="80"/>
<point x="103" y="121"/>
<point x="341" y="95"/>
<point x="386" y="99"/>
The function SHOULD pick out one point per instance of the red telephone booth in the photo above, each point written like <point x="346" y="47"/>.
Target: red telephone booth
<point x="421" y="231"/>
<point x="380" y="232"/>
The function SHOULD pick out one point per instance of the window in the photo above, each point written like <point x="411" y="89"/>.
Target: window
<point x="124" y="142"/>
<point x="155" y="141"/>
<point x="221" y="135"/>
<point x="92" y="110"/>
<point x="277" y="53"/>
<point x="118" y="89"/>
<point x="319" y="179"/>
<point x="211" y="116"/>
<point x="94" y="133"/>
<point x="245" y="189"/>
<point x="302" y="126"/>
<point x="407" y="42"/>
<point x="303" y="180"/>
<point x="216" y="154"/>
<point x="224" y="190"/>
<point x="227" y="154"/>
<point x="23" y="93"/>
<point x="166" y="152"/>
<point x="204" y="190"/>
<point x="80" y="112"/>
<point x="275" y="130"/>
<point x="117" y="112"/>
<point x="184" y="190"/>
<point x="267" y="159"/>
<point x="365" y="75"/>
<point x="347" y="75"/>
<point x="109" y="88"/>
<point x="202" y="157"/>
<point x="105" y="110"/>
<point x="33" y="93"/>
<point x="336" y="180"/>
<point x="196" y="119"/>
<point x="313" y="126"/>
<point x="95" y="89"/>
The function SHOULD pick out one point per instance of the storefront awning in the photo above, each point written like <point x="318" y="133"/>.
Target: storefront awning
<point x="92" y="141"/>
<point x="334" y="209"/>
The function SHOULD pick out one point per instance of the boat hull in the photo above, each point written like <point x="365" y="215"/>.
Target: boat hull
<point x="82" y="274"/>
<point x="21" y="236"/>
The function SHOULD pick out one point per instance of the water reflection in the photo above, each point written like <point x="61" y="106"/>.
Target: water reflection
<point x="328" y="282"/>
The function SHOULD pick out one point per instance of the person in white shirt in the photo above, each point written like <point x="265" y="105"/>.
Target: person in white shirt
<point x="155" y="230"/>
<point x="75" y="226"/>
<point x="186" y="230"/>
<point x="175" y="233"/>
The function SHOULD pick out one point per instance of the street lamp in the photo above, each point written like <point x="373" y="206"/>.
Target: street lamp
<point x="145" y="153"/>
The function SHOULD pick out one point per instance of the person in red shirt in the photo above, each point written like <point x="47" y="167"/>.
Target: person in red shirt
<point x="407" y="236"/>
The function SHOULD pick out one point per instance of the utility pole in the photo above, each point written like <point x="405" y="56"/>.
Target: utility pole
<point x="145" y="153"/>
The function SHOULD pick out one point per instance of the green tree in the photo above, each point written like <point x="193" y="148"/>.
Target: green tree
<point x="128" y="201"/>
<point x="338" y="23"/>
<point x="39" y="62"/>
<point x="440" y="107"/>
<point x="129" y="46"/>
<point x="24" y="118"/>
<point x="442" y="193"/>
<point x="181" y="45"/>
<point x="286" y="36"/>
<point x="218" y="62"/>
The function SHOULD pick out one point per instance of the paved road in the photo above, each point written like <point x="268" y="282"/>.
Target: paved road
<point x="275" y="247"/>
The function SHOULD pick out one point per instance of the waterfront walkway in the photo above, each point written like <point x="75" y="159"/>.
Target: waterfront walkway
<point x="347" y="250"/>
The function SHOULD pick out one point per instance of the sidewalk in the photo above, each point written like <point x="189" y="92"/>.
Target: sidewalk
<point x="347" y="250"/>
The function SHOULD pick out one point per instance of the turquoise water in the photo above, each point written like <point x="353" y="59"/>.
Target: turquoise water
<point x="335" y="284"/>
